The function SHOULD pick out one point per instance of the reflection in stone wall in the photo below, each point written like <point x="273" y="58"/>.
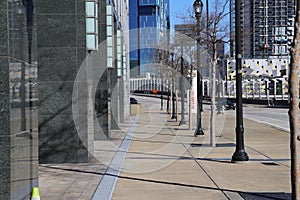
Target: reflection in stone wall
<point x="18" y="107"/>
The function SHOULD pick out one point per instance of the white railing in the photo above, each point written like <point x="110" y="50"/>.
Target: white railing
<point x="276" y="88"/>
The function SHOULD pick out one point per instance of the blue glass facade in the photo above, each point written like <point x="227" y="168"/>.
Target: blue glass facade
<point x="154" y="14"/>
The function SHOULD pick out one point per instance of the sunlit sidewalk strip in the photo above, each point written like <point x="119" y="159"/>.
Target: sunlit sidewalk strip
<point x="107" y="184"/>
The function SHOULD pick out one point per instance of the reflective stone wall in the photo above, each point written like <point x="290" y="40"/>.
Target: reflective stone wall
<point x="61" y="52"/>
<point x="18" y="100"/>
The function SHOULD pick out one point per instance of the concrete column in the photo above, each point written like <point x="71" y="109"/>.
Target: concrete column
<point x="121" y="100"/>
<point x="62" y="51"/>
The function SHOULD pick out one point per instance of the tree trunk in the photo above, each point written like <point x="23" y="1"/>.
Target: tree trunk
<point x="213" y="99"/>
<point x="294" y="110"/>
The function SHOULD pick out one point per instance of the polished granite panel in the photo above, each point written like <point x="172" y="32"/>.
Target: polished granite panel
<point x="80" y="6"/>
<point x="57" y="64"/>
<point x="62" y="101"/>
<point x="81" y="31"/>
<point x="56" y="30"/>
<point x="81" y="58"/>
<point x="5" y="168"/>
<point x="62" y="98"/>
<point x="62" y="52"/>
<point x="57" y="133"/>
<point x="57" y="6"/>
<point x="63" y="156"/>
<point x="55" y="98"/>
<point x="3" y="32"/>
<point x="4" y="108"/>
<point x="18" y="130"/>
<point x="60" y="140"/>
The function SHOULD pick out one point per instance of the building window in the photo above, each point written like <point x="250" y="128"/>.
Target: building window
<point x="119" y="53"/>
<point x="91" y="13"/>
<point x="124" y="62"/>
<point x="109" y="35"/>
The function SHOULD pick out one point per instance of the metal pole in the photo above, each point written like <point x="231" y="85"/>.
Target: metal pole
<point x="240" y="153"/>
<point x="173" y="107"/>
<point x="199" y="130"/>
<point x="173" y="92"/>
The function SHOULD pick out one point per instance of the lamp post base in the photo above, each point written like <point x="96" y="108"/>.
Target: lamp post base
<point x="239" y="156"/>
<point x="199" y="131"/>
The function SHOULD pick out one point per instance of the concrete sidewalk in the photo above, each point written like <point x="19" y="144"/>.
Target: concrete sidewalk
<point x="165" y="161"/>
<point x="172" y="164"/>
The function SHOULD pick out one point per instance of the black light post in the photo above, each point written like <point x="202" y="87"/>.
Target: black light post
<point x="198" y="5"/>
<point x="173" y="92"/>
<point x="240" y="153"/>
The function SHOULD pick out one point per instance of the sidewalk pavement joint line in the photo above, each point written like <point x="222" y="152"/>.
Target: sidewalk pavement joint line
<point x="198" y="163"/>
<point x="108" y="182"/>
<point x="268" y="157"/>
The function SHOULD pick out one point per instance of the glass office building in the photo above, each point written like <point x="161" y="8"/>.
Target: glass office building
<point x="267" y="28"/>
<point x="154" y="15"/>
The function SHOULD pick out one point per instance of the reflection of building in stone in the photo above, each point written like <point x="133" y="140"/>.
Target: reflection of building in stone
<point x="18" y="118"/>
<point x="31" y="89"/>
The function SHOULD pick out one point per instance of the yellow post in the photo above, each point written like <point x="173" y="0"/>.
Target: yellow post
<point x="35" y="194"/>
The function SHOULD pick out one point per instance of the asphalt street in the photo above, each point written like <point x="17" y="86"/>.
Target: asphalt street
<point x="277" y="117"/>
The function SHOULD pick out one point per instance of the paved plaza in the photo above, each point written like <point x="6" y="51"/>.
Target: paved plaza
<point x="152" y="157"/>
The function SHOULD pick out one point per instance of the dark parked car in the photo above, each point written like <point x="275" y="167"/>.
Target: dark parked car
<point x="133" y="100"/>
<point x="226" y="104"/>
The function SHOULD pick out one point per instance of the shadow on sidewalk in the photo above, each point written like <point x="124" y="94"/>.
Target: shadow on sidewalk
<point x="217" y="145"/>
<point x="266" y="196"/>
<point x="245" y="195"/>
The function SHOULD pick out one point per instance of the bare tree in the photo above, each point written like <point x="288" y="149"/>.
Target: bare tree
<point x="214" y="29"/>
<point x="215" y="32"/>
<point x="294" y="109"/>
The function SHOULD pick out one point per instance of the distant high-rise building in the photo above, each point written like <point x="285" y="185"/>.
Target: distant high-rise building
<point x="147" y="14"/>
<point x="267" y="28"/>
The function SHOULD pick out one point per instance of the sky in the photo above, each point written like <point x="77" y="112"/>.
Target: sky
<point x="180" y="6"/>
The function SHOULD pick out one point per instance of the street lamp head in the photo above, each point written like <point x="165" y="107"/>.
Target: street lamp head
<point x="198" y="5"/>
